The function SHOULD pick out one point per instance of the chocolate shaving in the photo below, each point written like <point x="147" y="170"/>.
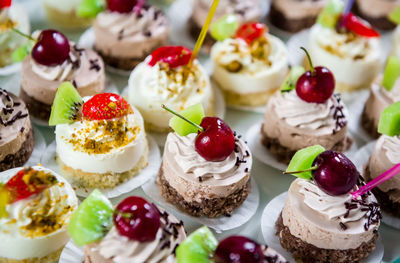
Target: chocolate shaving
<point x="121" y="34"/>
<point x="22" y="129"/>
<point x="338" y="114"/>
<point x="16" y="117"/>
<point x="342" y="226"/>
<point x="147" y="33"/>
<point x="200" y="179"/>
<point x="94" y="64"/>
<point x="74" y="84"/>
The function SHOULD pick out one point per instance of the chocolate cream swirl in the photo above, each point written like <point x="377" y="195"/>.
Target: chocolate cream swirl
<point x="391" y="145"/>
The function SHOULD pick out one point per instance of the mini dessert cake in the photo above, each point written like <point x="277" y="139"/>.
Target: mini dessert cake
<point x="245" y="10"/>
<point x="102" y="143"/>
<point x="16" y="133"/>
<point x="297" y="118"/>
<point x="320" y="220"/>
<point x="167" y="77"/>
<point x="54" y="60"/>
<point x="294" y="15"/>
<point x="125" y="33"/>
<point x="64" y="13"/>
<point x="35" y="208"/>
<point x="205" y="174"/>
<point x="11" y="17"/>
<point x="352" y="51"/>
<point x="385" y="90"/>
<point x="376" y="12"/>
<point x="135" y="231"/>
<point x="249" y="69"/>
<point x="202" y="246"/>
<point x="385" y="155"/>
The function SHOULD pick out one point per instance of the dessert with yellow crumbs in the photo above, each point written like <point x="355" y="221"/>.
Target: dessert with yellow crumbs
<point x="168" y="77"/>
<point x="103" y="143"/>
<point x="35" y="208"/>
<point x="249" y="68"/>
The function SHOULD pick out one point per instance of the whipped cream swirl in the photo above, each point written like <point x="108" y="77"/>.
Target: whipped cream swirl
<point x="392" y="147"/>
<point x="325" y="117"/>
<point x="183" y="149"/>
<point x="6" y="106"/>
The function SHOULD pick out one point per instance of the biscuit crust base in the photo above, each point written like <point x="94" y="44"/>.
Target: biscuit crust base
<point x="369" y="126"/>
<point x="51" y="258"/>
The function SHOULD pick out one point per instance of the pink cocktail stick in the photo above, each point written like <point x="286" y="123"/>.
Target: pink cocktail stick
<point x="377" y="181"/>
<point x="139" y="6"/>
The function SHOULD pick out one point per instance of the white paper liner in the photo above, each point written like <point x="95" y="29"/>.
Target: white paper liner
<point x="71" y="254"/>
<point x="270" y="216"/>
<point x="239" y="217"/>
<point x="154" y="162"/>
<point x="38" y="149"/>
<point x="10" y="69"/>
<point x="253" y="137"/>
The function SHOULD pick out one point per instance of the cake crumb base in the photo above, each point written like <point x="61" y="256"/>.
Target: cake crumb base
<point x="51" y="258"/>
<point x="369" y="126"/>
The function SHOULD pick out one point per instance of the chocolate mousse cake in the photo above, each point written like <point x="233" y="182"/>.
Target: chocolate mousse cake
<point x="16" y="133"/>
<point x="295" y="15"/>
<point x="376" y="12"/>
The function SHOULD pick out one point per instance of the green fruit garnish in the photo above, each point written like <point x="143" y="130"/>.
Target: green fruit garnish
<point x="198" y="247"/>
<point x="224" y="27"/>
<point x="392" y="73"/>
<point x="194" y="113"/>
<point x="4" y="200"/>
<point x="92" y="220"/>
<point x="331" y="13"/>
<point x="389" y="123"/>
<point x="291" y="79"/>
<point x="20" y="53"/>
<point x="303" y="160"/>
<point x="90" y="8"/>
<point x="65" y="105"/>
<point x="395" y="16"/>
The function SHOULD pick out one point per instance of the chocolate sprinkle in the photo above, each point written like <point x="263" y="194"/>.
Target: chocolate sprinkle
<point x="74" y="84"/>
<point x="94" y="64"/>
<point x="342" y="226"/>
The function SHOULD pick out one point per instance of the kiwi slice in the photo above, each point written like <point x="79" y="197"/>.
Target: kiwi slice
<point x="331" y="13"/>
<point x="395" y="16"/>
<point x="224" y="27"/>
<point x="303" y="160"/>
<point x="20" y="53"/>
<point x="194" y="113"/>
<point x="66" y="105"/>
<point x="198" y="247"/>
<point x="90" y="8"/>
<point x="391" y="73"/>
<point x="291" y="79"/>
<point x="389" y="123"/>
<point x="92" y="220"/>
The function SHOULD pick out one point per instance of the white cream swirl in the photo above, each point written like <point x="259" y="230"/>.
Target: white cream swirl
<point x="323" y="117"/>
<point x="183" y="149"/>
<point x="122" y="250"/>
<point x="392" y="148"/>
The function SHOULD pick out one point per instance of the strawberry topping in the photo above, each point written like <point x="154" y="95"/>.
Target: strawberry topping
<point x="174" y="56"/>
<point x="5" y="3"/>
<point x="251" y="31"/>
<point x="105" y="106"/>
<point x="354" y="24"/>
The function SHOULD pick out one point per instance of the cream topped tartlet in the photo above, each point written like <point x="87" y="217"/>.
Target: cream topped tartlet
<point x="104" y="143"/>
<point x="167" y="77"/>
<point x="134" y="231"/>
<point x="16" y="132"/>
<point x="35" y="209"/>
<point x="250" y="69"/>
<point x="52" y="61"/>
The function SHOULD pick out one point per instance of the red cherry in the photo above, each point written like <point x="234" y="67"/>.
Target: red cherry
<point x="121" y="6"/>
<point x="216" y="142"/>
<point x="251" y="31"/>
<point x="52" y="48"/>
<point x="5" y="3"/>
<point x="105" y="106"/>
<point x="239" y="249"/>
<point x="175" y="56"/>
<point x="316" y="86"/>
<point x="137" y="219"/>
<point x="335" y="173"/>
<point x="358" y="26"/>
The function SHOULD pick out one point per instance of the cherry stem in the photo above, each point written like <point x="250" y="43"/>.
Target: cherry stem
<point x="23" y="34"/>
<point x="309" y="59"/>
<point x="303" y="171"/>
<point x="139" y="6"/>
<point x="377" y="181"/>
<point x="183" y="118"/>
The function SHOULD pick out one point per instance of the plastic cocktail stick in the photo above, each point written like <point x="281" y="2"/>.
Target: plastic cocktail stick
<point x="348" y="7"/>
<point x="204" y="31"/>
<point x="377" y="181"/>
<point x="139" y="6"/>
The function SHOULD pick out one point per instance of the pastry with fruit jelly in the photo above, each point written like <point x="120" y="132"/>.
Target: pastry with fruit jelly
<point x="346" y="45"/>
<point x="134" y="231"/>
<point x="305" y="112"/>
<point x="11" y="16"/>
<point x="36" y="205"/>
<point x="385" y="90"/>
<point x="202" y="246"/>
<point x="206" y="167"/>
<point x="376" y="12"/>
<point x="245" y="11"/>
<point x="16" y="133"/>
<point x="52" y="61"/>
<point x="385" y="155"/>
<point x="101" y="141"/>
<point x="167" y="77"/>
<point x="294" y="15"/>
<point x="320" y="220"/>
<point x="250" y="66"/>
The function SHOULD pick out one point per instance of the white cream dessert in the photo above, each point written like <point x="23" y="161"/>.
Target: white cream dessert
<point x="354" y="60"/>
<point x="34" y="225"/>
<point x="12" y="17"/>
<point x="179" y="87"/>
<point x="249" y="73"/>
<point x="63" y="13"/>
